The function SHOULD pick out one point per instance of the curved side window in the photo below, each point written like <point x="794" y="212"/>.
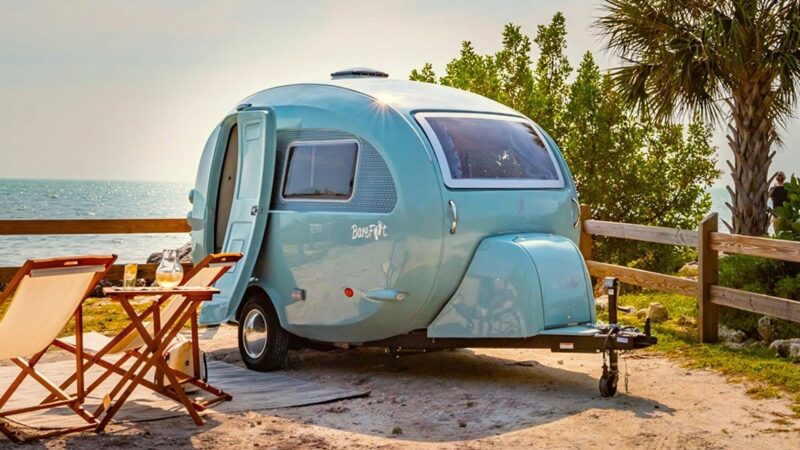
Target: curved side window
<point x="320" y="170"/>
<point x="490" y="151"/>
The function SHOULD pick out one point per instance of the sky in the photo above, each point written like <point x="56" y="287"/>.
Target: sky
<point x="131" y="90"/>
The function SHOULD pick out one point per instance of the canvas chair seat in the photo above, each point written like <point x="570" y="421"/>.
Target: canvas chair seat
<point x="47" y="293"/>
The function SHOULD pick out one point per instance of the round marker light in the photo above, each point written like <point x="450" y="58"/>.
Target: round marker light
<point x="348" y="292"/>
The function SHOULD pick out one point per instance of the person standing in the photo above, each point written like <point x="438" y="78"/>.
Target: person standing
<point x="778" y="195"/>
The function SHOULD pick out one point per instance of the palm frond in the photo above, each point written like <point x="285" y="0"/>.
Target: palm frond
<point x="693" y="55"/>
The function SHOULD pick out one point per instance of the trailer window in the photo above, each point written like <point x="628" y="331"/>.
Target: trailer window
<point x="321" y="170"/>
<point x="481" y="150"/>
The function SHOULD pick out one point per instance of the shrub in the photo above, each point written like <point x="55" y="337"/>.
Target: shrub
<point x="788" y="214"/>
<point x="762" y="276"/>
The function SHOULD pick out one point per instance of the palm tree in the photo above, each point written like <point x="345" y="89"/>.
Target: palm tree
<point x="733" y="60"/>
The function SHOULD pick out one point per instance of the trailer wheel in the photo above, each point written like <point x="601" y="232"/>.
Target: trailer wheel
<point x="608" y="384"/>
<point x="263" y="344"/>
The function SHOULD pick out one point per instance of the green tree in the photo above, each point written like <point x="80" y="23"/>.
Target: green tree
<point x="473" y="72"/>
<point x="630" y="170"/>
<point x="735" y="59"/>
<point x="426" y="74"/>
<point x="551" y="89"/>
<point x="514" y="69"/>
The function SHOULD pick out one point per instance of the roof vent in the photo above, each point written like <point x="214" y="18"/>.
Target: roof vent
<point x="358" y="72"/>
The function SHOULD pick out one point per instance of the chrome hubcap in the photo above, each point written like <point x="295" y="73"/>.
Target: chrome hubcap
<point x="255" y="334"/>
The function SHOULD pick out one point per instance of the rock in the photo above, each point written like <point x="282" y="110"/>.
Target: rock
<point x="689" y="270"/>
<point x="601" y="303"/>
<point x="627" y="309"/>
<point x="184" y="254"/>
<point x="337" y="409"/>
<point x="657" y="313"/>
<point x="687" y="321"/>
<point x="642" y="313"/>
<point x="397" y="430"/>
<point x="766" y="329"/>
<point x="98" y="290"/>
<point x="599" y="289"/>
<point x="729" y="335"/>
<point x="752" y="342"/>
<point x="462" y="424"/>
<point x="787" y="348"/>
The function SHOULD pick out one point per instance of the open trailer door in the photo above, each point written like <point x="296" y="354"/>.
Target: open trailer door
<point x="249" y="210"/>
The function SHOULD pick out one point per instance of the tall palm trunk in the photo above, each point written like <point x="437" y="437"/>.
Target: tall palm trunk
<point x="750" y="138"/>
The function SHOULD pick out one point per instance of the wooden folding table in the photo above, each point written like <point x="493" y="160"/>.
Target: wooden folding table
<point x="157" y="340"/>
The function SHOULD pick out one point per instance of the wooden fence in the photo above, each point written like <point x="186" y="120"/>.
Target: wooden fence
<point x="709" y="244"/>
<point x="94" y="226"/>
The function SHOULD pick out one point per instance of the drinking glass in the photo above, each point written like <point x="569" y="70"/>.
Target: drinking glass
<point x="129" y="279"/>
<point x="170" y="272"/>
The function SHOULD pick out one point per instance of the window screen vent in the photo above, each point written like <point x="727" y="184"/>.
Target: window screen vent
<point x="358" y="72"/>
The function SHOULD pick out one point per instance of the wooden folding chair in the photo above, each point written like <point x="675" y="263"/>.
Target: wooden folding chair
<point x="46" y="294"/>
<point x="96" y="348"/>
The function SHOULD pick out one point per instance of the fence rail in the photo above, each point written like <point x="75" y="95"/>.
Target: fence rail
<point x="659" y="235"/>
<point x="756" y="246"/>
<point x="709" y="244"/>
<point x="94" y="226"/>
<point x="643" y="278"/>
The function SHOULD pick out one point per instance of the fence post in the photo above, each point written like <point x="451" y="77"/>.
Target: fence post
<point x="708" y="275"/>
<point x="585" y="242"/>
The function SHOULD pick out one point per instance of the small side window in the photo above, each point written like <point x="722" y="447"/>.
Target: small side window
<point x="321" y="170"/>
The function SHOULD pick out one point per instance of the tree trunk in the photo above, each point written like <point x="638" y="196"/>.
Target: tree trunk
<point x="750" y="138"/>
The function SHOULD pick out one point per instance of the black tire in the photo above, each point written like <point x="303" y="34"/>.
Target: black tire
<point x="608" y="385"/>
<point x="258" y="317"/>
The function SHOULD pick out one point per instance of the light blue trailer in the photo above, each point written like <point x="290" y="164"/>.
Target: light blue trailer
<point x="384" y="212"/>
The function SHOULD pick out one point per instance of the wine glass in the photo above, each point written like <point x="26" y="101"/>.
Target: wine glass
<point x="170" y="272"/>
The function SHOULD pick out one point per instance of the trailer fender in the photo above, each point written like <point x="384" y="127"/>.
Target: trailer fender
<point x="517" y="286"/>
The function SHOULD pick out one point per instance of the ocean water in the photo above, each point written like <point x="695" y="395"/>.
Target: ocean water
<point x="719" y="195"/>
<point x="72" y="199"/>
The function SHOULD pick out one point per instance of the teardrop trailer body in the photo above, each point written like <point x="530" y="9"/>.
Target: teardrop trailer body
<point x="397" y="214"/>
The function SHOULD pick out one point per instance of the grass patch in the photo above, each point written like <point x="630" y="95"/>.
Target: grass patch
<point x="770" y="376"/>
<point x="104" y="316"/>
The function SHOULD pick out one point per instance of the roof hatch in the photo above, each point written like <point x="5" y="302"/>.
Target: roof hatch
<point x="358" y="72"/>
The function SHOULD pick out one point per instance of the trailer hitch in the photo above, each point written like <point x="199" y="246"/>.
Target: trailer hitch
<point x="610" y="376"/>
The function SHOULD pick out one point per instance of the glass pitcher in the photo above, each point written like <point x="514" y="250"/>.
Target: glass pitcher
<point x="170" y="272"/>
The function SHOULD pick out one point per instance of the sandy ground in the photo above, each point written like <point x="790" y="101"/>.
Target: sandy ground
<point x="477" y="399"/>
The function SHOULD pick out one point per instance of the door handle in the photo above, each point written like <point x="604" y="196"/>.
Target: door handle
<point x="454" y="214"/>
<point x="577" y="212"/>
